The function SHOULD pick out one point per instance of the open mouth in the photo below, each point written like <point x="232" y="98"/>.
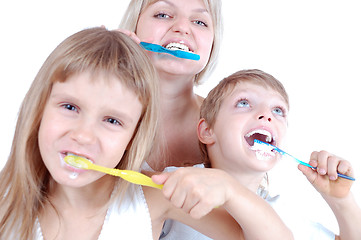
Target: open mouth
<point x="178" y="46"/>
<point x="259" y="134"/>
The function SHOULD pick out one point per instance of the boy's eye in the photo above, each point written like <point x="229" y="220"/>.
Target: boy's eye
<point x="242" y="103"/>
<point x="279" y="111"/>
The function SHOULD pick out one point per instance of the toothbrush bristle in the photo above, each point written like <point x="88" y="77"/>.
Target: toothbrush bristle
<point x="259" y="145"/>
<point x="77" y="161"/>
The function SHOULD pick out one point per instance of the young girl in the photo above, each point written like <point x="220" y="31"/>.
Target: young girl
<point x="252" y="105"/>
<point x="96" y="97"/>
<point x="194" y="25"/>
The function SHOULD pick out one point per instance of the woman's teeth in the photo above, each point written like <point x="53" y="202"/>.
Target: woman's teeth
<point x="177" y="46"/>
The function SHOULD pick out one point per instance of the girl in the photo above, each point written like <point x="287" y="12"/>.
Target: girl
<point x="96" y="97"/>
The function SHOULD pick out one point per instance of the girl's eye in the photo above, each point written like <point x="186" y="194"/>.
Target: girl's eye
<point x="201" y="23"/>
<point x="69" y="107"/>
<point x="242" y="103"/>
<point x="161" y="15"/>
<point x="113" y="121"/>
<point x="279" y="111"/>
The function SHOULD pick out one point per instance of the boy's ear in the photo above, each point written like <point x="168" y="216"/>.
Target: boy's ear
<point x="205" y="134"/>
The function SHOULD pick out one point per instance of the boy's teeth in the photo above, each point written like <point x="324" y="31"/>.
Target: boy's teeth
<point x="263" y="132"/>
<point x="177" y="46"/>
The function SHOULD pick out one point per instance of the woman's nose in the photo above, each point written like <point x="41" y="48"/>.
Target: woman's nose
<point x="181" y="25"/>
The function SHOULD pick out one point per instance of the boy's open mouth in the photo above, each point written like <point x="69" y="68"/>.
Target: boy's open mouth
<point x="259" y="134"/>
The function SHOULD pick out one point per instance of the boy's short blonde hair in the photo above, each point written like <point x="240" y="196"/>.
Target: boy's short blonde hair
<point x="212" y="103"/>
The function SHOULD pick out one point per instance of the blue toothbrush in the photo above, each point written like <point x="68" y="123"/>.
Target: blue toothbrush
<point x="177" y="53"/>
<point x="271" y="147"/>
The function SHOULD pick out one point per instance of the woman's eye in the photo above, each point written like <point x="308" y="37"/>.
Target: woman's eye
<point x="161" y="15"/>
<point x="201" y="23"/>
<point x="242" y="103"/>
<point x="113" y="121"/>
<point x="69" y="107"/>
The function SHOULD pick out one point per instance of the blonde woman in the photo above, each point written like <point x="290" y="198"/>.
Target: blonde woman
<point x="191" y="25"/>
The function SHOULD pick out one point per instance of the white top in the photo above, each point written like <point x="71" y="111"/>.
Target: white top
<point x="129" y="219"/>
<point x="301" y="227"/>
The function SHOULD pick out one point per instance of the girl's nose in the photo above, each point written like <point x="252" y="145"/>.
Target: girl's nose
<point x="83" y="134"/>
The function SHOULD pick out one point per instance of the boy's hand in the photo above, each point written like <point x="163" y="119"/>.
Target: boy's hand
<point x="325" y="178"/>
<point x="196" y="190"/>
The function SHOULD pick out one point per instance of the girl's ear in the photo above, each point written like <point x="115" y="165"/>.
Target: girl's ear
<point x="205" y="134"/>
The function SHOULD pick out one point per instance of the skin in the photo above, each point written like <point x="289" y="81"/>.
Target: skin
<point x="187" y="22"/>
<point x="262" y="110"/>
<point x="95" y="118"/>
<point x="92" y="119"/>
<point x="247" y="108"/>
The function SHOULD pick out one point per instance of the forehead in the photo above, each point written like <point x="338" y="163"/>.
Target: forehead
<point x="244" y="89"/>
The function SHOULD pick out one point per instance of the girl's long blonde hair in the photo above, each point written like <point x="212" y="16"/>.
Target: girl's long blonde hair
<point x="135" y="8"/>
<point x="25" y="179"/>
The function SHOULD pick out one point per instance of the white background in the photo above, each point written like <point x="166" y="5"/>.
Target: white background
<point x="312" y="47"/>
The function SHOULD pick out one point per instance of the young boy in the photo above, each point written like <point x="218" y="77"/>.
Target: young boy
<point x="250" y="105"/>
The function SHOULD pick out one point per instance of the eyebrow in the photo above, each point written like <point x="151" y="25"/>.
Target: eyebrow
<point x="201" y="10"/>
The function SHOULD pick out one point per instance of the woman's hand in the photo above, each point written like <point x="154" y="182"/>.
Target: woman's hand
<point x="131" y="34"/>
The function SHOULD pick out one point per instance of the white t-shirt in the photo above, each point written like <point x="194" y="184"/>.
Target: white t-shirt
<point x="128" y="219"/>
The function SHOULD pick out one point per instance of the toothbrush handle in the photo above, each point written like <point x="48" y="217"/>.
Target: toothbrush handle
<point x="346" y="177"/>
<point x="308" y="165"/>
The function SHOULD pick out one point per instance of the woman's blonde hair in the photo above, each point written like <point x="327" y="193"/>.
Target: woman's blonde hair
<point x="135" y="8"/>
<point x="25" y="179"/>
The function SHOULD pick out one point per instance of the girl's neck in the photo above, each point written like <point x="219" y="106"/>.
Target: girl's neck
<point x="92" y="196"/>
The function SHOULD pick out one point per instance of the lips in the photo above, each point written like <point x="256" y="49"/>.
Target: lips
<point x="178" y="45"/>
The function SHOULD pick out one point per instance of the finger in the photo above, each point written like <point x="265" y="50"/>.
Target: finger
<point x="130" y="34"/>
<point x="168" y="182"/>
<point x="332" y="164"/>
<point x="201" y="209"/>
<point x="310" y="174"/>
<point x="313" y="159"/>
<point x="344" y="167"/>
<point x="322" y="158"/>
<point x="160" y="178"/>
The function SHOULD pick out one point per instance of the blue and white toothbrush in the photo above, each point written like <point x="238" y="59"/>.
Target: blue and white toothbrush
<point x="177" y="53"/>
<point x="268" y="147"/>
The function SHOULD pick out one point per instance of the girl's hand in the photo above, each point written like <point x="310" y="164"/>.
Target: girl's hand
<point x="196" y="190"/>
<point x="325" y="178"/>
<point x="131" y="34"/>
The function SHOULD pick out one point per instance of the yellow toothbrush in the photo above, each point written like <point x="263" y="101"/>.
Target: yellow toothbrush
<point x="128" y="175"/>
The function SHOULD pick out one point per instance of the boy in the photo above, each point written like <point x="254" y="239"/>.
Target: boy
<point x="250" y="105"/>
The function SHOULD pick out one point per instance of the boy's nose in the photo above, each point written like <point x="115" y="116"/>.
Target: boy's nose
<point x="267" y="118"/>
